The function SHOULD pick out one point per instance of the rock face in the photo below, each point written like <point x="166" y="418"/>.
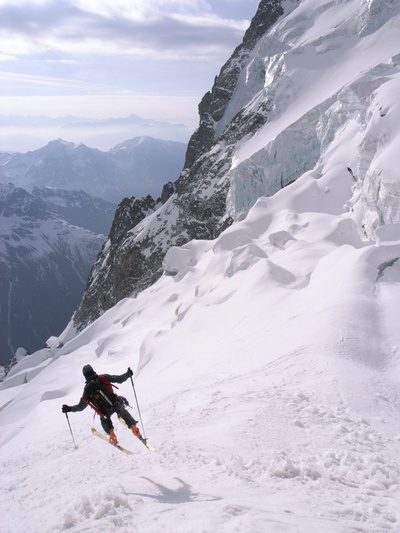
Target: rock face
<point x="46" y="254"/>
<point x="215" y="102"/>
<point x="131" y="260"/>
<point x="278" y="106"/>
<point x="119" y="268"/>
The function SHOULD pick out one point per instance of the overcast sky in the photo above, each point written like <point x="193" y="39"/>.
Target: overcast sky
<point x="113" y="58"/>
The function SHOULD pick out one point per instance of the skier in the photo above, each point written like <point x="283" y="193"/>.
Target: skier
<point x="99" y="394"/>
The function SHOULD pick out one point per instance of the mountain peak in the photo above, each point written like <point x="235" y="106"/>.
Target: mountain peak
<point x="215" y="102"/>
<point x="136" y="141"/>
<point x="60" y="142"/>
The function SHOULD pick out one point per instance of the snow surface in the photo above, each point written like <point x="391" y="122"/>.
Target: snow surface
<point x="268" y="374"/>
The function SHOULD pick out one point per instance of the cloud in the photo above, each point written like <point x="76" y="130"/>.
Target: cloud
<point x="102" y="58"/>
<point x="6" y="77"/>
<point x="173" y="29"/>
<point x="7" y="57"/>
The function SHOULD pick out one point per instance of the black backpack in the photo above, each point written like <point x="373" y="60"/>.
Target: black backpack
<point x="99" y="395"/>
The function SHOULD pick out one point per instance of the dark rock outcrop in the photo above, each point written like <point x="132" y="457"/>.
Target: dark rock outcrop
<point x="118" y="268"/>
<point x="214" y="103"/>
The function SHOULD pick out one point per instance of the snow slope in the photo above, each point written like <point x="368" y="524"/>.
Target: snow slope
<point x="267" y="371"/>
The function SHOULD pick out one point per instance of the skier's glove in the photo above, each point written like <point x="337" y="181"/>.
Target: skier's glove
<point x="66" y="408"/>
<point x="129" y="372"/>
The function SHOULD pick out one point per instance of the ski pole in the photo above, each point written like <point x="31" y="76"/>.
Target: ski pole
<point x="66" y="414"/>
<point x="138" y="408"/>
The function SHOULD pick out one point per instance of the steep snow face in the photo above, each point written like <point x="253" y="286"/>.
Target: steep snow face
<point x="330" y="73"/>
<point x="267" y="370"/>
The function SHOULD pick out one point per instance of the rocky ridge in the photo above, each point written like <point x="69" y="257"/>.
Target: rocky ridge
<point x="117" y="265"/>
<point x="197" y="208"/>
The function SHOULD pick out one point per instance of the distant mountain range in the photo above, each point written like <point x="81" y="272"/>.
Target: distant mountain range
<point x="26" y="133"/>
<point x="57" y="204"/>
<point x="136" y="167"/>
<point x="49" y="240"/>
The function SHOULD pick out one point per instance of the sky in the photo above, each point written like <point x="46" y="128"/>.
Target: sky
<point x="113" y="58"/>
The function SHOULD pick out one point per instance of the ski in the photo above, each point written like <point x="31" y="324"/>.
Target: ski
<point x="95" y="432"/>
<point x="148" y="446"/>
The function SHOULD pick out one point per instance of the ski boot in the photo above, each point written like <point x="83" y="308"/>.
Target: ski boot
<point x="136" y="432"/>
<point x="113" y="438"/>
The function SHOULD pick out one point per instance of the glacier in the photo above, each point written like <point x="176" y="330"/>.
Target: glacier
<point x="328" y="88"/>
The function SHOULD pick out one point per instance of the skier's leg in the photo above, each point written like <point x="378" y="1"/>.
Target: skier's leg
<point x="106" y="424"/>
<point x="109" y="429"/>
<point x="127" y="418"/>
<point x="124" y="414"/>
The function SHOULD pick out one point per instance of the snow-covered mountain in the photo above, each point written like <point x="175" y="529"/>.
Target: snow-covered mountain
<point x="137" y="167"/>
<point x="78" y="208"/>
<point x="308" y="77"/>
<point x="48" y="241"/>
<point x="267" y="354"/>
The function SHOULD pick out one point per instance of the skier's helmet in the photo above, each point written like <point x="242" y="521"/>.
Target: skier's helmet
<point x="88" y="372"/>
